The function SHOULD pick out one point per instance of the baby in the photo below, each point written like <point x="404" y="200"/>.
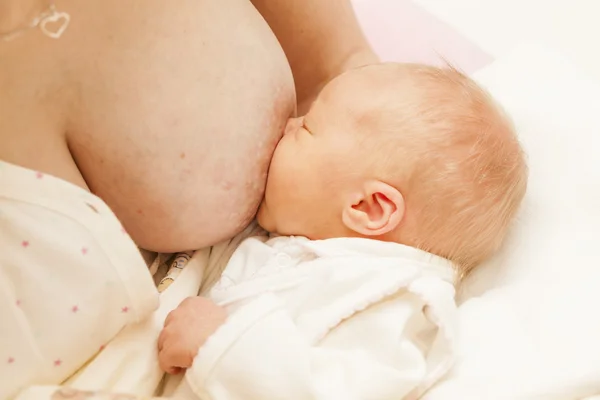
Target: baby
<point x="399" y="181"/>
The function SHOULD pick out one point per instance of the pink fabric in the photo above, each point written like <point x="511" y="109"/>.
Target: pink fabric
<point x="400" y="30"/>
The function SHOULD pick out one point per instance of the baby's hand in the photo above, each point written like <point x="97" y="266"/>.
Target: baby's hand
<point x="185" y="331"/>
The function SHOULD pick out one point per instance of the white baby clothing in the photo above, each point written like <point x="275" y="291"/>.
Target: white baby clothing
<point x="333" y="319"/>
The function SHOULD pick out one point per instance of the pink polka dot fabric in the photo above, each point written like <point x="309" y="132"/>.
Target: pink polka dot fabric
<point x="70" y="279"/>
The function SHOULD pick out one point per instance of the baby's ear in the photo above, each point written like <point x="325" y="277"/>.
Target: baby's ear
<point x="374" y="210"/>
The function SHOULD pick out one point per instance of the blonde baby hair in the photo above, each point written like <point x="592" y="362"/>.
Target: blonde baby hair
<point x="453" y="153"/>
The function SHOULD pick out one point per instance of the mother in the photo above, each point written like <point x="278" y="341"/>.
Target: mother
<point x="169" y="112"/>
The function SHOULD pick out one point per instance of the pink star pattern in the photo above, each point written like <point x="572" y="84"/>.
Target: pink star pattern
<point x="10" y="360"/>
<point x="57" y="363"/>
<point x="74" y="309"/>
<point x="39" y="175"/>
<point x="25" y="243"/>
<point x="84" y="250"/>
<point x="124" y="309"/>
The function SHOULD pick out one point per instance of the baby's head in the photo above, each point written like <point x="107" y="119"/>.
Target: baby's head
<point x="399" y="152"/>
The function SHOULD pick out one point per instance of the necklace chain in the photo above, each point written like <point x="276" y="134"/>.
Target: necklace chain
<point x="49" y="15"/>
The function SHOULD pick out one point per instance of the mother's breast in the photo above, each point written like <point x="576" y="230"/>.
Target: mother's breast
<point x="179" y="111"/>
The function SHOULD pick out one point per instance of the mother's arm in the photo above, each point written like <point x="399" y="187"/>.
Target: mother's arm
<point x="321" y="39"/>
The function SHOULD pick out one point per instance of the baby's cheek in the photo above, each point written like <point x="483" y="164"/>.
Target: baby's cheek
<point x="264" y="219"/>
<point x="279" y="177"/>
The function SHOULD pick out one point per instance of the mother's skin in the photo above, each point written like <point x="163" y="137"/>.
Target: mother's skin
<point x="168" y="110"/>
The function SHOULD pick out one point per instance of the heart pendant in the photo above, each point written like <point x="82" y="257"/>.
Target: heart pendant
<point x="55" y="24"/>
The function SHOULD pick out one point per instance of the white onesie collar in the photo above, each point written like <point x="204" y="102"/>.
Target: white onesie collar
<point x="344" y="247"/>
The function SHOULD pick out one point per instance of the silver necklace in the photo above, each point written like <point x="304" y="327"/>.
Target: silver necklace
<point x="51" y="22"/>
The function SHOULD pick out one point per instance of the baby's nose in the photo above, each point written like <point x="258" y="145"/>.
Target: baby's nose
<point x="293" y="124"/>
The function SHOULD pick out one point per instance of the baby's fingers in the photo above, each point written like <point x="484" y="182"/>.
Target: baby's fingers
<point x="174" y="371"/>
<point x="170" y="317"/>
<point x="173" y="358"/>
<point x="160" y="344"/>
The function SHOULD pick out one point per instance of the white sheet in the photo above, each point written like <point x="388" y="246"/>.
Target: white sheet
<point x="529" y="325"/>
<point x="498" y="26"/>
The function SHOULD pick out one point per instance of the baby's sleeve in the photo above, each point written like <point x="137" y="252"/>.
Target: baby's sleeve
<point x="382" y="352"/>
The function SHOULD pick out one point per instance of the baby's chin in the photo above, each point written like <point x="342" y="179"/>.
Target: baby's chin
<point x="263" y="218"/>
